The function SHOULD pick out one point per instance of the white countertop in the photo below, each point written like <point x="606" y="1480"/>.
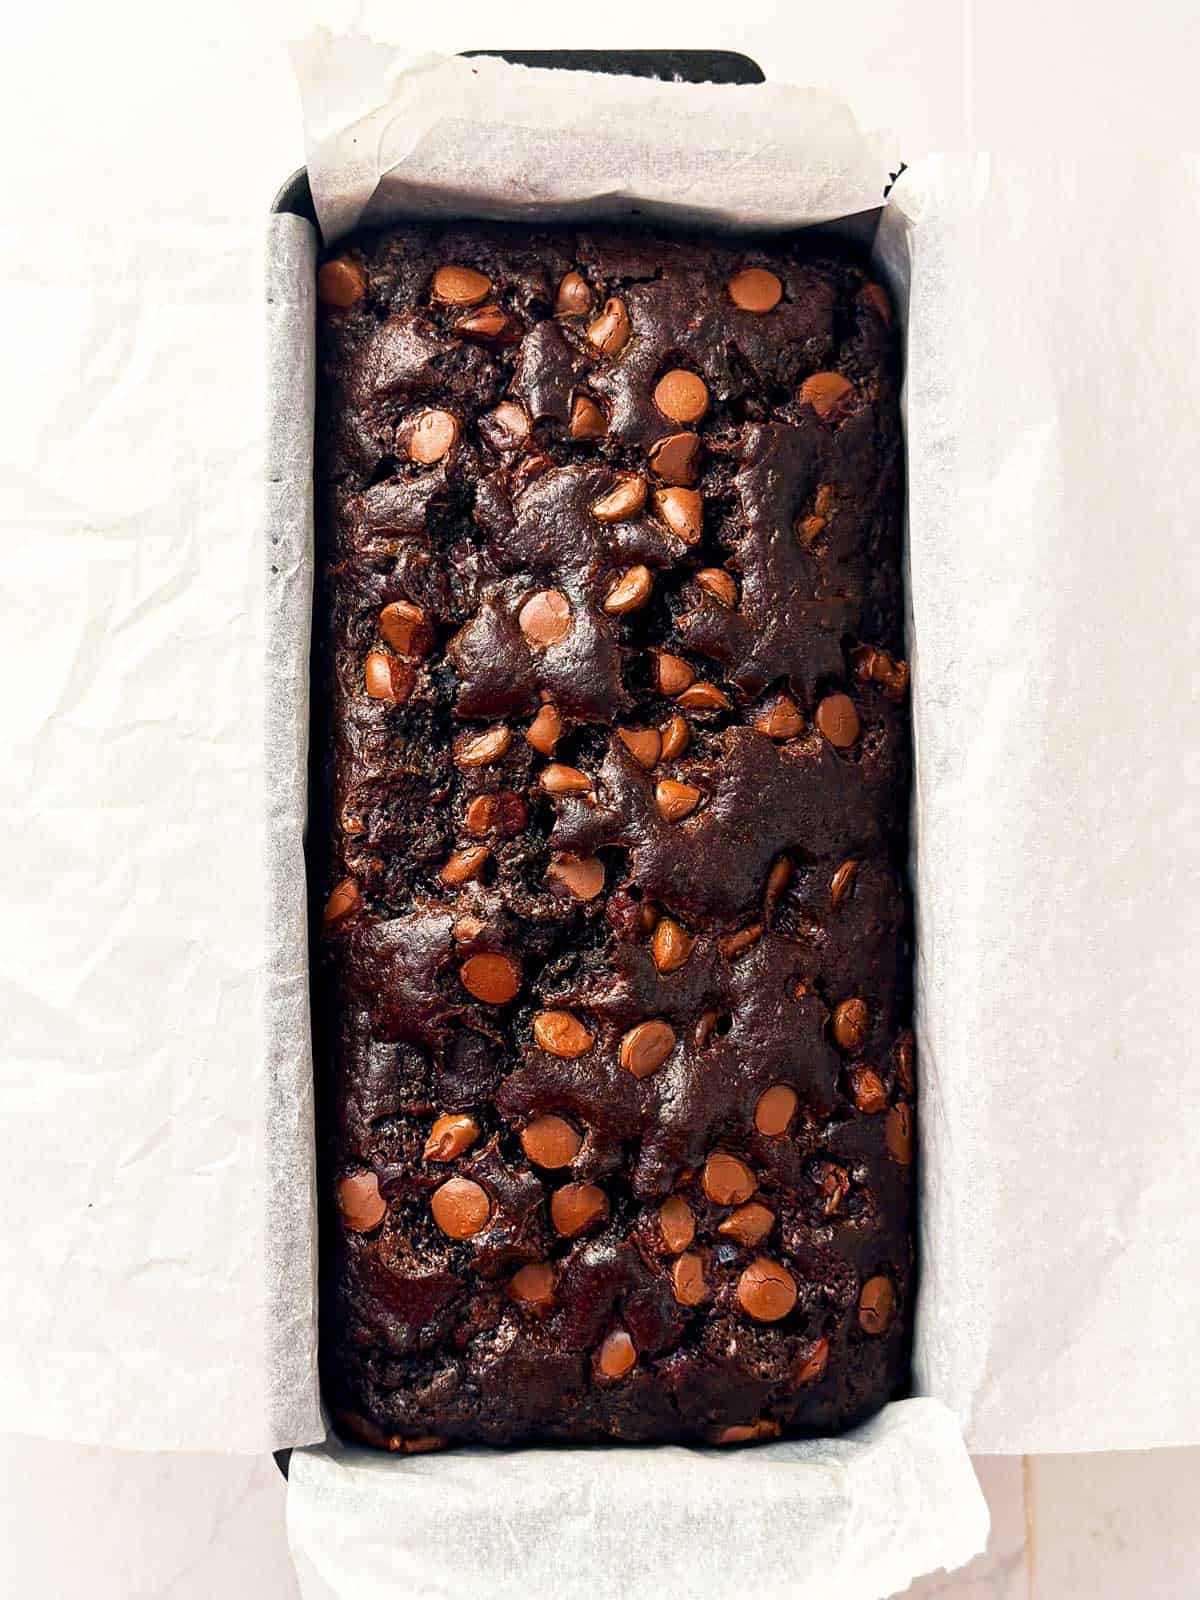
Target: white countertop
<point x="85" y="1524"/>
<point x="151" y="114"/>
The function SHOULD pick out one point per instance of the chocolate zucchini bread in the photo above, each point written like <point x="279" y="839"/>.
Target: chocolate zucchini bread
<point x="611" y="759"/>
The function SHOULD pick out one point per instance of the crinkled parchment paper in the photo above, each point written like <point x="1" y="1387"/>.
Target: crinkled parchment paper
<point x="862" y="1515"/>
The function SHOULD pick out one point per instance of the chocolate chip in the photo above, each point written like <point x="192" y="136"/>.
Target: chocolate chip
<point x="559" y="779"/>
<point x="643" y="744"/>
<point x="581" y="876"/>
<point x="587" y="419"/>
<point x="851" y="1025"/>
<point x="876" y="1304"/>
<point x="676" y="1223"/>
<point x="481" y="814"/>
<point x="431" y="436"/>
<point x="533" y="1285"/>
<point x="766" y="1291"/>
<point x="617" y="1355"/>
<point x="386" y="677"/>
<point x="906" y="1054"/>
<point x="359" y="1428"/>
<point x="544" y="732"/>
<point x="755" y="289"/>
<point x="718" y="583"/>
<point x="893" y="675"/>
<point x="683" y="512"/>
<point x="406" y="628"/>
<point x="491" y="324"/>
<point x="676" y="459"/>
<point x="418" y="1444"/>
<point x="507" y="428"/>
<point x="705" y="697"/>
<point x="681" y="395"/>
<point x="781" y="720"/>
<point x="826" y="392"/>
<point x="360" y="1202"/>
<point x="749" y="1224"/>
<point x="672" y="674"/>
<point x="676" y="800"/>
<point x="842" y="882"/>
<point x="645" y="1047"/>
<point x="494" y="979"/>
<point x="671" y="945"/>
<point x="867" y="1089"/>
<point x="574" y="297"/>
<point x="778" y="879"/>
<point x="625" y="499"/>
<point x="449" y="1136"/>
<point x="837" y="720"/>
<point x="775" y="1109"/>
<point x="341" y="283"/>
<point x="732" y="944"/>
<point x="461" y="1208"/>
<point x="344" y="901"/>
<point x="576" y="1207"/>
<point x="481" y="749"/>
<point x="512" y="814"/>
<point x="609" y="334"/>
<point x="550" y="1142"/>
<point x="862" y="659"/>
<point x="545" y="618"/>
<point x="675" y="736"/>
<point x="527" y="469"/>
<point x="687" y="1279"/>
<point x="726" y="1180"/>
<point x="460" y="286"/>
<point x="464" y="865"/>
<point x="898" y="1134"/>
<point x="746" y="1432"/>
<point x="810" y="1366"/>
<point x="630" y="592"/>
<point x="563" y="1035"/>
<point x="871" y="665"/>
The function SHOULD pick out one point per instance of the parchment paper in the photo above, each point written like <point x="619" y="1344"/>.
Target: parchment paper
<point x="1053" y="395"/>
<point x="291" y="1250"/>
<point x="140" y="1289"/>
<point x="855" y="1517"/>
<point x="1053" y="400"/>
<point x="860" y="1516"/>
<point x="448" y="136"/>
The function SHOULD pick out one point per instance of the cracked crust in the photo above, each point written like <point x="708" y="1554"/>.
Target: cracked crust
<point x="644" y="921"/>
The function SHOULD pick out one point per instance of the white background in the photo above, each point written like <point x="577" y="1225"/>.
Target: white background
<point x="133" y="112"/>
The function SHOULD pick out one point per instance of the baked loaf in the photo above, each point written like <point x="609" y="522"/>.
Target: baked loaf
<point x="611" y="745"/>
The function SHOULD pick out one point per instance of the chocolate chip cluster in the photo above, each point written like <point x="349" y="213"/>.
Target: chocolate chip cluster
<point x="613" y="1003"/>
